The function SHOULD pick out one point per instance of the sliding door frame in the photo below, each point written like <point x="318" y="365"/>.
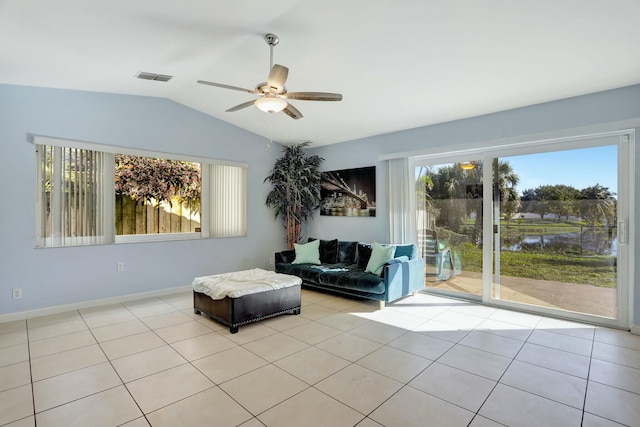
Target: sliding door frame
<point x="625" y="141"/>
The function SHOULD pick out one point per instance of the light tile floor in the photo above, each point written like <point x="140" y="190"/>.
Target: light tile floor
<point x="423" y="361"/>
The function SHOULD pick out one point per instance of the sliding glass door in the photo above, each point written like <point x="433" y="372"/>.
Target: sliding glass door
<point x="541" y="227"/>
<point x="449" y="222"/>
<point x="556" y="230"/>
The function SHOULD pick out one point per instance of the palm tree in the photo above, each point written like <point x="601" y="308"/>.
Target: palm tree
<point x="598" y="205"/>
<point x="424" y="201"/>
<point x="296" y="189"/>
<point x="506" y="181"/>
<point x="424" y="184"/>
<point x="457" y="193"/>
<point x="449" y="198"/>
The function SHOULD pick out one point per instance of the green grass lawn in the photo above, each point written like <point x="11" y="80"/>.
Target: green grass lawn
<point x="585" y="270"/>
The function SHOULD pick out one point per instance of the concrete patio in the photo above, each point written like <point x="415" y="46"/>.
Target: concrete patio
<point x="565" y="296"/>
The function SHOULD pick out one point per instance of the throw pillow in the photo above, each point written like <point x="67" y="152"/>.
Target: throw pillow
<point x="379" y="257"/>
<point x="364" y="253"/>
<point x="288" y="256"/>
<point x="410" y="251"/>
<point x="328" y="250"/>
<point x="347" y="252"/>
<point x="309" y="253"/>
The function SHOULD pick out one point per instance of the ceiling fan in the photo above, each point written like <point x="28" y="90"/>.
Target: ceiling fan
<point x="273" y="95"/>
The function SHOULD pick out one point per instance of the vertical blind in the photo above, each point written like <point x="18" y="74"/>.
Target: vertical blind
<point x="228" y="210"/>
<point x="71" y="187"/>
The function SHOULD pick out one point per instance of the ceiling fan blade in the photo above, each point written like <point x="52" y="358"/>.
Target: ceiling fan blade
<point x="277" y="77"/>
<point x="292" y="112"/>
<point x="241" y="89"/>
<point x="241" y="106"/>
<point x="313" y="96"/>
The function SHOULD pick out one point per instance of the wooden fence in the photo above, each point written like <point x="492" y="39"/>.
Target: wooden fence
<point x="150" y="218"/>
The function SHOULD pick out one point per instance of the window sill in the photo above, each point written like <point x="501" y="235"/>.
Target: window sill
<point x="162" y="237"/>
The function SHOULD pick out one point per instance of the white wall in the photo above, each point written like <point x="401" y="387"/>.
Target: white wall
<point x="57" y="276"/>
<point x="594" y="110"/>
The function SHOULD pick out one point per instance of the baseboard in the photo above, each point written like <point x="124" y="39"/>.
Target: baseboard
<point x="21" y="315"/>
<point x="635" y="329"/>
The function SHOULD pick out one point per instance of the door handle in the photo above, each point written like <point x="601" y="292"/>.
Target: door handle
<point x="622" y="231"/>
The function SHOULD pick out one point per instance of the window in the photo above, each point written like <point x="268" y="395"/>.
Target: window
<point x="70" y="188"/>
<point x="156" y="196"/>
<point x="90" y="194"/>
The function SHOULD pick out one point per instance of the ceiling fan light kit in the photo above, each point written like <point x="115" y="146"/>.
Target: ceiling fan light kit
<point x="271" y="104"/>
<point x="273" y="94"/>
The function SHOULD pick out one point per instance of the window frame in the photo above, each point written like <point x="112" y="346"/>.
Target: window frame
<point x="108" y="200"/>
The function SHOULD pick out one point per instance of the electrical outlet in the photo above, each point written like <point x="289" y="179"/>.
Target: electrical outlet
<point x="17" y="293"/>
<point x="120" y="267"/>
<point x="272" y="260"/>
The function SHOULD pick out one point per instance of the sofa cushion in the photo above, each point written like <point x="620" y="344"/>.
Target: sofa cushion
<point x="328" y="250"/>
<point x="288" y="268"/>
<point x="294" y="269"/>
<point x="379" y="257"/>
<point x="308" y="272"/>
<point x="410" y="251"/>
<point x="352" y="279"/>
<point x="347" y="252"/>
<point x="309" y="253"/>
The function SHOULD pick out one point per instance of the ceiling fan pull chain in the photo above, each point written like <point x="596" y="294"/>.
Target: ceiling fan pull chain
<point x="270" y="130"/>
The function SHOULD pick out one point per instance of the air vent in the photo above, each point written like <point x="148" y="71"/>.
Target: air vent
<point x="152" y="76"/>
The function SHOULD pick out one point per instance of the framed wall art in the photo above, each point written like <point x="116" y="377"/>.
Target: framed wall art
<point x="349" y="192"/>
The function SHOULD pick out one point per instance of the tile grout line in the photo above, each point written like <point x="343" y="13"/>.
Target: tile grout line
<point x="405" y="384"/>
<point x="547" y="398"/>
<point x="341" y="332"/>
<point x="116" y="372"/>
<point x="33" y="394"/>
<point x="308" y="386"/>
<point x="74" y="370"/>
<point x="586" y="389"/>
<point x="215" y="385"/>
<point x="164" y="370"/>
<point x="424" y="369"/>
<point x="501" y="376"/>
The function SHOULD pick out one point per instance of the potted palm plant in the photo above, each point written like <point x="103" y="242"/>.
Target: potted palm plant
<point x="296" y="189"/>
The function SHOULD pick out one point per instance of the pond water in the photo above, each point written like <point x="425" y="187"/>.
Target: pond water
<point x="594" y="243"/>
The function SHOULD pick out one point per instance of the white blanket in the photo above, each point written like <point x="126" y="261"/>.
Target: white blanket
<point x="239" y="283"/>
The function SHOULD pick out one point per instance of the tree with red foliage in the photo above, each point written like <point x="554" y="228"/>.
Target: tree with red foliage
<point x="147" y="179"/>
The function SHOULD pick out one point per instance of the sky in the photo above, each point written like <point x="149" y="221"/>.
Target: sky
<point x="578" y="168"/>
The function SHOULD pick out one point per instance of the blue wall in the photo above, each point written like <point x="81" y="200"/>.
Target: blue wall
<point x="578" y="112"/>
<point x="56" y="276"/>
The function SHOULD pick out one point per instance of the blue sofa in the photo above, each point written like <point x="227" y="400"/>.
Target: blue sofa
<point x="342" y="270"/>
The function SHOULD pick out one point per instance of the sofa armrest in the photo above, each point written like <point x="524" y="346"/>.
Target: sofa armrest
<point x="403" y="278"/>
<point x="285" y="256"/>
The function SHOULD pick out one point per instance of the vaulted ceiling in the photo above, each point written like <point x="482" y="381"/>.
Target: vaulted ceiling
<point x="398" y="64"/>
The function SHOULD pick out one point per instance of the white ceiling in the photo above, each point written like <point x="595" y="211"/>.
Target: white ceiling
<point x="399" y="64"/>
